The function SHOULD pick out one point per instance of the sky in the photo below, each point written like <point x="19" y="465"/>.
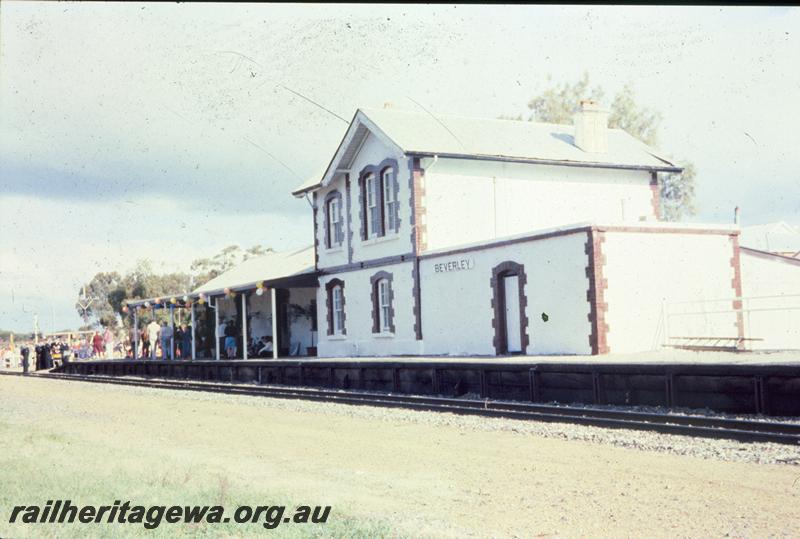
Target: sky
<point x="169" y="131"/>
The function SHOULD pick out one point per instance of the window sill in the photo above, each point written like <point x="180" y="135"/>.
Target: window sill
<point x="383" y="335"/>
<point x="373" y="241"/>
<point x="337" y="337"/>
<point x="334" y="250"/>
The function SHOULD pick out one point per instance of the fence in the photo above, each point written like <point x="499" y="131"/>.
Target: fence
<point x="769" y="323"/>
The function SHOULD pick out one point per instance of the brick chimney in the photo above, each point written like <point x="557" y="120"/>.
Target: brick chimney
<point x="591" y="127"/>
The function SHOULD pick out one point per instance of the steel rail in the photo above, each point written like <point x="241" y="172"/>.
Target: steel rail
<point x="689" y="425"/>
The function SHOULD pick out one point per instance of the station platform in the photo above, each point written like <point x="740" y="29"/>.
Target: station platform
<point x="665" y="357"/>
<point x="756" y="383"/>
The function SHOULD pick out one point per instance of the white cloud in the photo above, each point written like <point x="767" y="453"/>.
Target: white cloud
<point x="58" y="246"/>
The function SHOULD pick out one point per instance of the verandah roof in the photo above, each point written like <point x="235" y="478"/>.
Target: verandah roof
<point x="288" y="268"/>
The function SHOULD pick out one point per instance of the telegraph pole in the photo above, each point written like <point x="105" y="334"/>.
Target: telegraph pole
<point x="84" y="303"/>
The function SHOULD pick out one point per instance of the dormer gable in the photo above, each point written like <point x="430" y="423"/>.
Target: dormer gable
<point x="361" y="127"/>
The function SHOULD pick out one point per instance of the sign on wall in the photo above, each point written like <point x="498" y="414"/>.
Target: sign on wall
<point x="459" y="264"/>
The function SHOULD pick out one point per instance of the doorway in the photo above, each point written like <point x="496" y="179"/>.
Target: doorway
<point x="513" y="344"/>
<point x="509" y="303"/>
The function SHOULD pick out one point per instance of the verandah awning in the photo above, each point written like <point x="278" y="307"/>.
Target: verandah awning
<point x="288" y="269"/>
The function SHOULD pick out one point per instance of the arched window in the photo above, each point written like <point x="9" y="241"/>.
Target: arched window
<point x="374" y="227"/>
<point x="382" y="303"/>
<point x="335" y="301"/>
<point x="390" y="204"/>
<point x="334" y="234"/>
<point x="379" y="201"/>
<point x="338" y="311"/>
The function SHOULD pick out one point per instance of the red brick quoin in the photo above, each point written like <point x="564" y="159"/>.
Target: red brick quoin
<point x="655" y="195"/>
<point x="736" y="284"/>
<point x="595" y="295"/>
<point x="419" y="210"/>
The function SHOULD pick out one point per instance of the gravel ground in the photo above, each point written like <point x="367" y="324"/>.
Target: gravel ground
<point x="725" y="450"/>
<point x="417" y="474"/>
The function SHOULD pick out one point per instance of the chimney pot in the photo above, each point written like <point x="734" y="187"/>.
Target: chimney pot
<point x="591" y="127"/>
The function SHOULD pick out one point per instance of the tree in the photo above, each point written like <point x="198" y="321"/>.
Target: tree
<point x="558" y="103"/>
<point x="205" y="269"/>
<point x="102" y="287"/>
<point x="110" y="291"/>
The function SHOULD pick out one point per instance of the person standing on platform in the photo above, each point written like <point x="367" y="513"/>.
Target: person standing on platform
<point x="47" y="356"/>
<point x="145" y="337"/>
<point x="166" y="341"/>
<point x="230" y="339"/>
<point x="153" y="329"/>
<point x="97" y="345"/>
<point x="83" y="348"/>
<point x="186" y="342"/>
<point x="133" y="343"/>
<point x="221" y="335"/>
<point x="108" y="343"/>
<point x="230" y="347"/>
<point x="25" y="352"/>
<point x="178" y="348"/>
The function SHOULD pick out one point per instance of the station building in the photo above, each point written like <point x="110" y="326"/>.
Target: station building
<point x="443" y="235"/>
<point x="450" y="235"/>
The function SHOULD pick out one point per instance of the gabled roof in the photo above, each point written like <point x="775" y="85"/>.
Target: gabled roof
<point x="423" y="134"/>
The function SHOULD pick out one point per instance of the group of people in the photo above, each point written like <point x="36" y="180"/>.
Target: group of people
<point x="45" y="354"/>
<point x="103" y="345"/>
<point x="171" y="343"/>
<point x="154" y="341"/>
<point x="229" y="338"/>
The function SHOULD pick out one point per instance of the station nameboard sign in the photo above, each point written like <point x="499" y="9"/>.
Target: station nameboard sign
<point x="459" y="264"/>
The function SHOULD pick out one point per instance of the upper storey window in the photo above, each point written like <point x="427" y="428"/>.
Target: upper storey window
<point x="390" y="205"/>
<point x="374" y="225"/>
<point x="334" y="234"/>
<point x="379" y="201"/>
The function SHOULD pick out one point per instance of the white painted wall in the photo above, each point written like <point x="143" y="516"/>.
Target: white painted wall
<point x="372" y="152"/>
<point x="770" y="282"/>
<point x="457" y="310"/>
<point x="259" y="308"/>
<point x="643" y="270"/>
<point x="468" y="200"/>
<point x="227" y="308"/>
<point x="359" y="340"/>
<point x="300" y="328"/>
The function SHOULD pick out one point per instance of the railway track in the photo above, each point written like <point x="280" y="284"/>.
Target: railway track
<point x="699" y="426"/>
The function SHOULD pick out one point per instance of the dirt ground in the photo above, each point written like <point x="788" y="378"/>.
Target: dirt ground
<point x="92" y="441"/>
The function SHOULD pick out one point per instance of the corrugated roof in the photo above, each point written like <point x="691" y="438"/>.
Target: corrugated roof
<point x="268" y="267"/>
<point x="459" y="136"/>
